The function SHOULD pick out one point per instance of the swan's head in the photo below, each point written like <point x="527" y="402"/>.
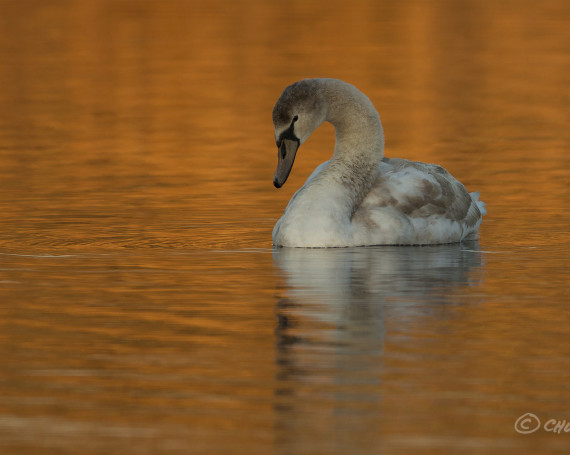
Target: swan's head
<point x="300" y="109"/>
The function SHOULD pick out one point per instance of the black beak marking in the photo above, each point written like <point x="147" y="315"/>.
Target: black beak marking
<point x="286" y="142"/>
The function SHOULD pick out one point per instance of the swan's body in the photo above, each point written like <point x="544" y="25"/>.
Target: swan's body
<point x="359" y="197"/>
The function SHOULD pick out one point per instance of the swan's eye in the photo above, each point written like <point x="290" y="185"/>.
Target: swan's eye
<point x="283" y="152"/>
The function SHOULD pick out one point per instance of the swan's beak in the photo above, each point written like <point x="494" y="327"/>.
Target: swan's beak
<point x="285" y="158"/>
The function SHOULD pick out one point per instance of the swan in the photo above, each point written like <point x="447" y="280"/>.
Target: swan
<point x="359" y="197"/>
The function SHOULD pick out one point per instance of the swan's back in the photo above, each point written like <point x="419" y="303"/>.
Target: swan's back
<point x="417" y="203"/>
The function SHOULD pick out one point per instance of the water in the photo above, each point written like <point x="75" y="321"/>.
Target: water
<point x="143" y="309"/>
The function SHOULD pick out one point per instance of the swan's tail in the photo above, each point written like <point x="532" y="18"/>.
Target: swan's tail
<point x="480" y="204"/>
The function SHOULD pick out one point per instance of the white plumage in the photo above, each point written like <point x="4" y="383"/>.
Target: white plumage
<point x="359" y="197"/>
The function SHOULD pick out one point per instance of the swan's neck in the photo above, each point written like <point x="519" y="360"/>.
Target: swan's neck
<point x="359" y="143"/>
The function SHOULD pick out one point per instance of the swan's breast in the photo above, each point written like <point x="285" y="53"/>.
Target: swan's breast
<point x="316" y="216"/>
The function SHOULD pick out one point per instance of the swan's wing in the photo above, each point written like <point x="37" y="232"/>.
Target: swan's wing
<point x="421" y="190"/>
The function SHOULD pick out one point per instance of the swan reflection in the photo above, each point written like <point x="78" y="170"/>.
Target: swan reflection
<point x="338" y="274"/>
<point x="331" y="318"/>
<point x="348" y="287"/>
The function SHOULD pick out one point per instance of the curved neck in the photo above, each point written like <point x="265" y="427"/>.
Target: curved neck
<point x="359" y="143"/>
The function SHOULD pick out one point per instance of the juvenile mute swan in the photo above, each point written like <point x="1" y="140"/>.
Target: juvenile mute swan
<point x="359" y="197"/>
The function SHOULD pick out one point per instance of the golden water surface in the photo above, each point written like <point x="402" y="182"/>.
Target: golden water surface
<point x="142" y="307"/>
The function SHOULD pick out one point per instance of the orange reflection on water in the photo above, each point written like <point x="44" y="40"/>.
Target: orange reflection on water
<point x="143" y="307"/>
